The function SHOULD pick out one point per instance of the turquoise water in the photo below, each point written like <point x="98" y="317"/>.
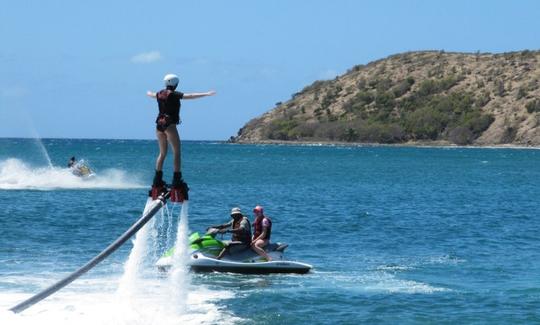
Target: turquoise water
<point x="395" y="235"/>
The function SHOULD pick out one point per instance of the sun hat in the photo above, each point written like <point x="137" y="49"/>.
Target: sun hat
<point x="235" y="211"/>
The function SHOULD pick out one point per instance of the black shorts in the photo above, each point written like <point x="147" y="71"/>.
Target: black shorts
<point x="163" y="122"/>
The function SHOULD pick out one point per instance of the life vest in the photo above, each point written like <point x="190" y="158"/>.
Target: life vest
<point x="258" y="227"/>
<point x="169" y="105"/>
<point x="244" y="236"/>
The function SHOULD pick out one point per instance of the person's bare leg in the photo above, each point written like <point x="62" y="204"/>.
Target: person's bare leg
<point x="222" y="253"/>
<point x="162" y="142"/>
<point x="258" y="248"/>
<point x="174" y="139"/>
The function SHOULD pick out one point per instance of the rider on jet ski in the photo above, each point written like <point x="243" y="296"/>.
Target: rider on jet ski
<point x="262" y="229"/>
<point x="71" y="162"/>
<point x="241" y="233"/>
<point x="79" y="168"/>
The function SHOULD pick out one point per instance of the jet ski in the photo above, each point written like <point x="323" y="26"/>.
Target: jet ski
<point x="204" y="249"/>
<point x="81" y="169"/>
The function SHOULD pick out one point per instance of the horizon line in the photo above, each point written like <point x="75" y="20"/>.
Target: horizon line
<point x="123" y="139"/>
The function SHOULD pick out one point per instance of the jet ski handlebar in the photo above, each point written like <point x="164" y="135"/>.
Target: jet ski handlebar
<point x="212" y="231"/>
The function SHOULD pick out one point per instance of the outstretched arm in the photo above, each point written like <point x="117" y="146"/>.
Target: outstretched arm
<point x="151" y="94"/>
<point x="199" y="95"/>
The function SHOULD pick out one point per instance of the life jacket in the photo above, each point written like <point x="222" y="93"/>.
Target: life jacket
<point x="258" y="227"/>
<point x="169" y="106"/>
<point x="244" y="236"/>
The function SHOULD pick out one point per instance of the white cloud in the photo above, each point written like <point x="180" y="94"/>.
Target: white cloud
<point x="146" y="57"/>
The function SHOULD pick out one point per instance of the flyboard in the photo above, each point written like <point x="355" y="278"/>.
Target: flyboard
<point x="159" y="196"/>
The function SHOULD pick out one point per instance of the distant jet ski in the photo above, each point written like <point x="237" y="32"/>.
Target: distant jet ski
<point x="81" y="169"/>
<point x="203" y="252"/>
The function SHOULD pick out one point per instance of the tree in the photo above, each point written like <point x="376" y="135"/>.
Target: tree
<point x="350" y="135"/>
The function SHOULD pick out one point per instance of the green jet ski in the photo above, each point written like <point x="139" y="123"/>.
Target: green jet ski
<point x="204" y="249"/>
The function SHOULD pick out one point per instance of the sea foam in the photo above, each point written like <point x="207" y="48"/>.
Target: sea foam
<point x="15" y="174"/>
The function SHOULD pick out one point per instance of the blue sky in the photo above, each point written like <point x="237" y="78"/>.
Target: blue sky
<point x="80" y="69"/>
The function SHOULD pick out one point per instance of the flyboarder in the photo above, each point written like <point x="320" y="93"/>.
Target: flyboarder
<point x="169" y="116"/>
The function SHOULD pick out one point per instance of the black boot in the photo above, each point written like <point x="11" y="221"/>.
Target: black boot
<point x="158" y="179"/>
<point x="177" y="179"/>
<point x="158" y="185"/>
<point x="179" y="190"/>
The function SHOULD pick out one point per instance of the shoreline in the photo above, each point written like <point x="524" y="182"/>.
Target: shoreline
<point x="417" y="144"/>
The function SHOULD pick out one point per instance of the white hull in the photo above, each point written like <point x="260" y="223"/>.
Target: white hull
<point x="201" y="263"/>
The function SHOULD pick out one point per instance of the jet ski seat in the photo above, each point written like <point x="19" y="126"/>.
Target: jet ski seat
<point x="280" y="247"/>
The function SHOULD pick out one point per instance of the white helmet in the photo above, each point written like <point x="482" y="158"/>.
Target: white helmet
<point x="171" y="80"/>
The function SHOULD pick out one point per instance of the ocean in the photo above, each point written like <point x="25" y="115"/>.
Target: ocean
<point x="397" y="235"/>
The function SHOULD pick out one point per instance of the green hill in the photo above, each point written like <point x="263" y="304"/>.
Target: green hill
<point x="415" y="97"/>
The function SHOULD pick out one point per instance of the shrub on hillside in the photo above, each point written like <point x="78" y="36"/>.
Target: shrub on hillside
<point x="461" y="135"/>
<point x="453" y="104"/>
<point x="521" y="93"/>
<point x="533" y="106"/>
<point x="364" y="97"/>
<point x="381" y="133"/>
<point x="384" y="84"/>
<point x="509" y="134"/>
<point x="476" y="122"/>
<point x="359" y="101"/>
<point x="384" y="100"/>
<point x="402" y="87"/>
<point x="434" y="86"/>
<point x="428" y="87"/>
<point x="483" y="99"/>
<point x="361" y="84"/>
<point x="330" y="97"/>
<point x="499" y="86"/>
<point x="316" y="86"/>
<point x="281" y="130"/>
<point x="425" y="123"/>
<point x="306" y="130"/>
<point x="330" y="130"/>
<point x="350" y="135"/>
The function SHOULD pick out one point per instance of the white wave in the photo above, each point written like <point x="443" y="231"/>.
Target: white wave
<point x="394" y="268"/>
<point x="96" y="302"/>
<point x="17" y="175"/>
<point x="442" y="259"/>
<point x="384" y="282"/>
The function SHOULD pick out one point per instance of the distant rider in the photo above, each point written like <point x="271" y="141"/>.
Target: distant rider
<point x="262" y="230"/>
<point x="168" y="100"/>
<point x="241" y="233"/>
<point x="71" y="162"/>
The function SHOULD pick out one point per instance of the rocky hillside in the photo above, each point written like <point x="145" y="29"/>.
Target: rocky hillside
<point x="415" y="97"/>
